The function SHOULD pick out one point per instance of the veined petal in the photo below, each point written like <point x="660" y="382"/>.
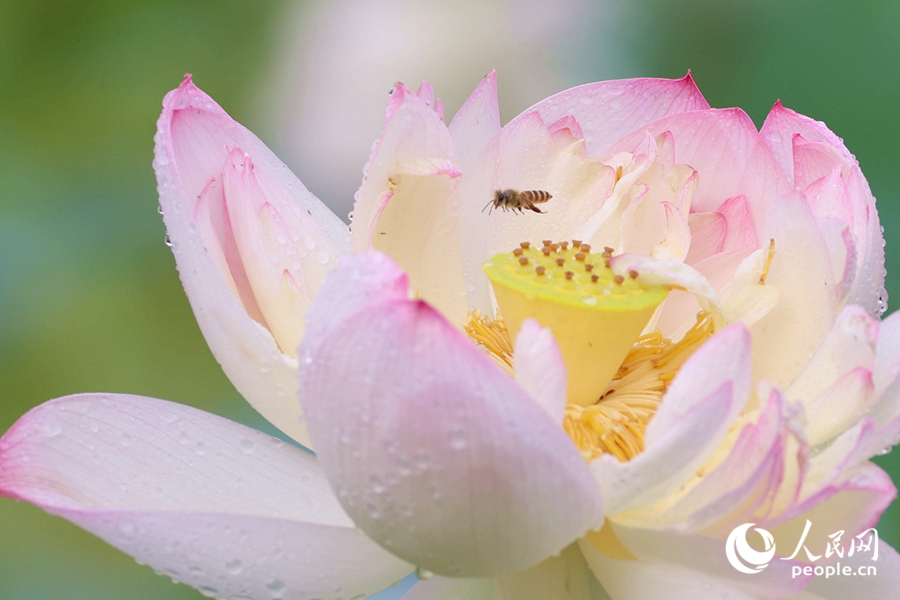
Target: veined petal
<point x="778" y="132"/>
<point x="435" y="452"/>
<point x="194" y="138"/>
<point x="607" y="110"/>
<point x="207" y="501"/>
<point x="724" y="146"/>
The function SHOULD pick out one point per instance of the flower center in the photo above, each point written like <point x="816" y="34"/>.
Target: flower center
<point x="594" y="313"/>
<point x="618" y="376"/>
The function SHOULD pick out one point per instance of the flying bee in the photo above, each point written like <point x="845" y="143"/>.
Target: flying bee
<point x="518" y="201"/>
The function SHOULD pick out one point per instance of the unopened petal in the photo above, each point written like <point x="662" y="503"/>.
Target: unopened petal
<point x="194" y="138"/>
<point x="207" y="501"/>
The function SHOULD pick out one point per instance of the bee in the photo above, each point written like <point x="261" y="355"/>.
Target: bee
<point x="518" y="201"/>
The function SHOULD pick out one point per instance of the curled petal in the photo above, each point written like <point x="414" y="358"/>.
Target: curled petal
<point x="207" y="501"/>
<point x="708" y="392"/>
<point x="193" y="140"/>
<point x="724" y="146"/>
<point x="435" y="452"/>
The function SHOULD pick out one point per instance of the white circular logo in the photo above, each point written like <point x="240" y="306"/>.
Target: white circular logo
<point x="740" y="554"/>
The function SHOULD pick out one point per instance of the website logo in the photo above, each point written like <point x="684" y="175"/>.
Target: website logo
<point x="744" y="558"/>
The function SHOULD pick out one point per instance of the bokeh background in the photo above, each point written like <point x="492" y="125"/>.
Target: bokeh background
<point x="89" y="296"/>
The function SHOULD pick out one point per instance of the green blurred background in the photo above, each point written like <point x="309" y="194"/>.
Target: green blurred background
<point x="89" y="296"/>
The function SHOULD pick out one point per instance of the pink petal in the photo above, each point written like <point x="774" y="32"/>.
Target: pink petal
<point x="744" y="484"/>
<point x="607" y="110"/>
<point x="778" y="133"/>
<point x="193" y="139"/>
<point x="725" y="148"/>
<point x="435" y="452"/>
<point x="708" y="231"/>
<point x="360" y="281"/>
<point x="741" y="230"/>
<point x="408" y="205"/>
<point x="540" y="369"/>
<point x="852" y="503"/>
<point x="813" y="161"/>
<point x="207" y="501"/>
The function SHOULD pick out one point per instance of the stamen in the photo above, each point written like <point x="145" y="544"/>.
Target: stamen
<point x="493" y="337"/>
<point x="617" y="422"/>
<point x="765" y="271"/>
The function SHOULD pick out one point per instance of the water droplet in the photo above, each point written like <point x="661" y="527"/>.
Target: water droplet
<point x="457" y="438"/>
<point x="305" y="478"/>
<point x="168" y="240"/>
<point x="234" y="566"/>
<point x="423" y="574"/>
<point x="208" y="591"/>
<point x="50" y="427"/>
<point x="126" y="528"/>
<point x="377" y="485"/>
<point x="322" y="256"/>
<point x="200" y="449"/>
<point x="276" y="586"/>
<point x="183" y="439"/>
<point x="246" y="446"/>
<point x="276" y="442"/>
<point x="127" y="440"/>
<point x="159" y="208"/>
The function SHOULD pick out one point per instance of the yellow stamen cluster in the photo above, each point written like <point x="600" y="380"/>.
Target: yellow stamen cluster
<point x="493" y="337"/>
<point x="616" y="423"/>
<point x="591" y="310"/>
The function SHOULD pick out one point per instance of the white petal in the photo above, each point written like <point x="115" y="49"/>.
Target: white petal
<point x="563" y="577"/>
<point x="205" y="500"/>
<point x="445" y="588"/>
<point x="540" y="369"/>
<point x="643" y="580"/>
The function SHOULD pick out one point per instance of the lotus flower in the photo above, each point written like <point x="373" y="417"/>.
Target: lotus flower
<point x="496" y="398"/>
